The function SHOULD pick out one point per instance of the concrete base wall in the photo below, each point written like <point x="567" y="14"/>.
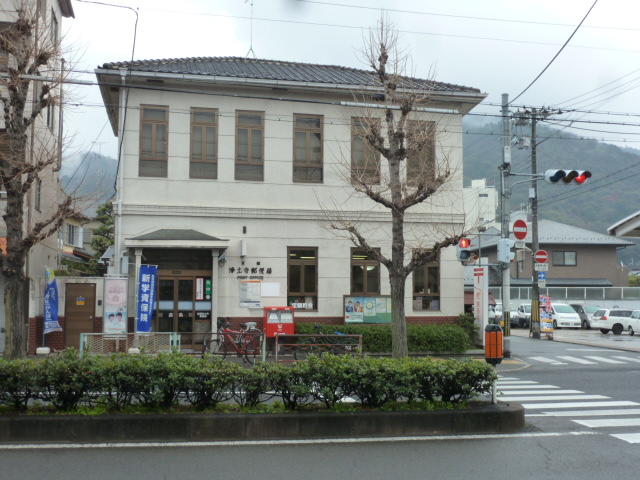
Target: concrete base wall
<point x="501" y="418"/>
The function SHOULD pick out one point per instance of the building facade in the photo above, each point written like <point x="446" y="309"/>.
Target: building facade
<point x="231" y="171"/>
<point x="44" y="138"/>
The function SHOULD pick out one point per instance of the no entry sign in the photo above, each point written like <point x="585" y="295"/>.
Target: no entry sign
<point x="520" y="229"/>
<point x="541" y="256"/>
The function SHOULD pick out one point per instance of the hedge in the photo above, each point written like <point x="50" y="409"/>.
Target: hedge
<point x="68" y="382"/>
<point x="421" y="338"/>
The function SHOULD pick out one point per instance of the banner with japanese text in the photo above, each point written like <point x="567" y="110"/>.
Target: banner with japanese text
<point x="51" y="323"/>
<point x="147" y="285"/>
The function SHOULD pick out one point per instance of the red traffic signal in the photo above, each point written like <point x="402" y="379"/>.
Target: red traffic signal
<point x="567" y="176"/>
<point x="464" y="242"/>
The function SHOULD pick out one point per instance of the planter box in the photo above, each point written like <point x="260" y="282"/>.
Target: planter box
<point x="501" y="418"/>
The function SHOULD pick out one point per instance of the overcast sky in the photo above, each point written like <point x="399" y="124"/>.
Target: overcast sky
<point x="499" y="47"/>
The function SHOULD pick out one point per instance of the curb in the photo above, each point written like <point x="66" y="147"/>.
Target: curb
<point x="500" y="418"/>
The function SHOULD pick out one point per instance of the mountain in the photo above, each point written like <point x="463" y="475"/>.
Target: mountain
<point x="609" y="195"/>
<point x="89" y="176"/>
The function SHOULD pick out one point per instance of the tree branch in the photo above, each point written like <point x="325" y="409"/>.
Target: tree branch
<point x="359" y="241"/>
<point x="423" y="256"/>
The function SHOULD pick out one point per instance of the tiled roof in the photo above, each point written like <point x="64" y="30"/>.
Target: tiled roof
<point x="261" y="69"/>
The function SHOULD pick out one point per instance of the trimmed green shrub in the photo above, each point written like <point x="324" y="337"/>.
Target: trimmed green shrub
<point x="210" y="382"/>
<point x="66" y="380"/>
<point x="377" y="338"/>
<point x="468" y="323"/>
<point x="17" y="382"/>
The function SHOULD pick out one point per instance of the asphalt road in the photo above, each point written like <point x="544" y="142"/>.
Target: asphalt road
<point x="583" y="417"/>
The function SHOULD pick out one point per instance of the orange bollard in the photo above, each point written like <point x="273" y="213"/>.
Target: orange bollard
<point x="493" y="341"/>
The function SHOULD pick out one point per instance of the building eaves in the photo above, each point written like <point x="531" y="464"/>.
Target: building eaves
<point x="66" y="8"/>
<point x="174" y="234"/>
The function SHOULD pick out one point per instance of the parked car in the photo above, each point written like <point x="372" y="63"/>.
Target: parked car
<point x="611" y="320"/>
<point x="523" y="315"/>
<point x="564" y="315"/>
<point x="633" y="324"/>
<point x="586" y="313"/>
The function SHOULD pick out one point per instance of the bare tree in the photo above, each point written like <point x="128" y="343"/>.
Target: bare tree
<point x="26" y="92"/>
<point x="414" y="172"/>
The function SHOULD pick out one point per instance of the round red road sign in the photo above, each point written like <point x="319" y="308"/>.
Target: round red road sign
<point x="520" y="229"/>
<point x="541" y="256"/>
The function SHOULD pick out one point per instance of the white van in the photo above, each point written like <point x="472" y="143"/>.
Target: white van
<point x="564" y="316"/>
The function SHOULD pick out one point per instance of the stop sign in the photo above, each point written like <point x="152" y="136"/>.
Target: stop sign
<point x="520" y="229"/>
<point x="541" y="256"/>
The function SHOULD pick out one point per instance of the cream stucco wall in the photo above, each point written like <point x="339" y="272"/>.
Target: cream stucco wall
<point x="277" y="212"/>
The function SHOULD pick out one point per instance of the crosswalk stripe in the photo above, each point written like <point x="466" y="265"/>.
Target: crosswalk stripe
<point x="500" y="377"/>
<point x="613" y="403"/>
<point x="537" y="392"/>
<point x="592" y="413"/>
<point x="516" y="382"/>
<point x="628" y="359"/>
<point x="547" y="360"/>
<point x="528" y="387"/>
<point x="553" y="397"/>
<point x="609" y="422"/>
<point x="603" y="359"/>
<point x="628" y="437"/>
<point x="581" y="361"/>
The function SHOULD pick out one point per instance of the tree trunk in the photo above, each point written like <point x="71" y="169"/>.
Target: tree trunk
<point x="16" y="317"/>
<point x="399" y="346"/>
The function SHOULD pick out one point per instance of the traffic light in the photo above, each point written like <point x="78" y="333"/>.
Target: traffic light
<point x="505" y="255"/>
<point x="464" y="249"/>
<point x="567" y="176"/>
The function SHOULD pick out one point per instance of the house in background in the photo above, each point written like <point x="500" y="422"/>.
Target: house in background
<point x="229" y="170"/>
<point x="44" y="195"/>
<point x="480" y="204"/>
<point x="75" y="239"/>
<point x="583" y="264"/>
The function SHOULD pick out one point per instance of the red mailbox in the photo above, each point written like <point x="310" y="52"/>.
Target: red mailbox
<point x="278" y="320"/>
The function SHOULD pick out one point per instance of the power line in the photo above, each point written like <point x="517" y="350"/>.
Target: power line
<point x="557" y="53"/>
<point x="464" y="17"/>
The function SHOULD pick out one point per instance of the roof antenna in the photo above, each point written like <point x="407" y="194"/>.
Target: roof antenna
<point x="250" y="52"/>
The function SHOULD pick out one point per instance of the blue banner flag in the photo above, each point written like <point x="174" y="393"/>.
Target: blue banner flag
<point x="51" y="304"/>
<point x="147" y="281"/>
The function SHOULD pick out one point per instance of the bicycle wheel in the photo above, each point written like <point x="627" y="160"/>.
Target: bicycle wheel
<point x="251" y="347"/>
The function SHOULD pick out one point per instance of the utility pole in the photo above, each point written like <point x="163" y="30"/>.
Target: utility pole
<point x="505" y="216"/>
<point x="533" y="201"/>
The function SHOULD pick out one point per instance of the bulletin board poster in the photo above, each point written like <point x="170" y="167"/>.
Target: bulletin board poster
<point x="367" y="309"/>
<point x="546" y="320"/>
<point x="250" y="294"/>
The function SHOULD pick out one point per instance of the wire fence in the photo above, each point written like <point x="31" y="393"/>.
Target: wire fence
<point x="106" y="343"/>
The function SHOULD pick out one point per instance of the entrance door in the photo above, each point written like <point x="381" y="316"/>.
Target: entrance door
<point x="79" y="311"/>
<point x="184" y="306"/>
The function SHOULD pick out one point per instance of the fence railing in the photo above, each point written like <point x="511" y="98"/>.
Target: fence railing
<point x="580" y="294"/>
<point x="104" y="343"/>
<point x="299" y="346"/>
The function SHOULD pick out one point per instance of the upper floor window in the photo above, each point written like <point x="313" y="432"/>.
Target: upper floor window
<point x="365" y="160"/>
<point x="564" y="259"/>
<point x="204" y="143"/>
<point x="426" y="286"/>
<point x="154" y="126"/>
<point x="74" y="235"/>
<point x="249" y="146"/>
<point x="365" y="273"/>
<point x="421" y="154"/>
<point x="307" y="148"/>
<point x="51" y="109"/>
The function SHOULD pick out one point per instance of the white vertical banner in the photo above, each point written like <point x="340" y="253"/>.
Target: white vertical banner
<point x="481" y="296"/>
<point x="114" y="318"/>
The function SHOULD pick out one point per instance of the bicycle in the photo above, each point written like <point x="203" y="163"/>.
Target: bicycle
<point x="246" y="342"/>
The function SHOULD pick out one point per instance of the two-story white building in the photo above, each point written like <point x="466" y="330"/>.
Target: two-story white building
<point x="229" y="171"/>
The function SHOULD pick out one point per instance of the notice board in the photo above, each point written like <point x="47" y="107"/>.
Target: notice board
<point x="360" y="309"/>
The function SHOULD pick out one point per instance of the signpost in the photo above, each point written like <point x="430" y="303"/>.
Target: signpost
<point x="520" y="229"/>
<point x="541" y="256"/>
<point x="542" y="279"/>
